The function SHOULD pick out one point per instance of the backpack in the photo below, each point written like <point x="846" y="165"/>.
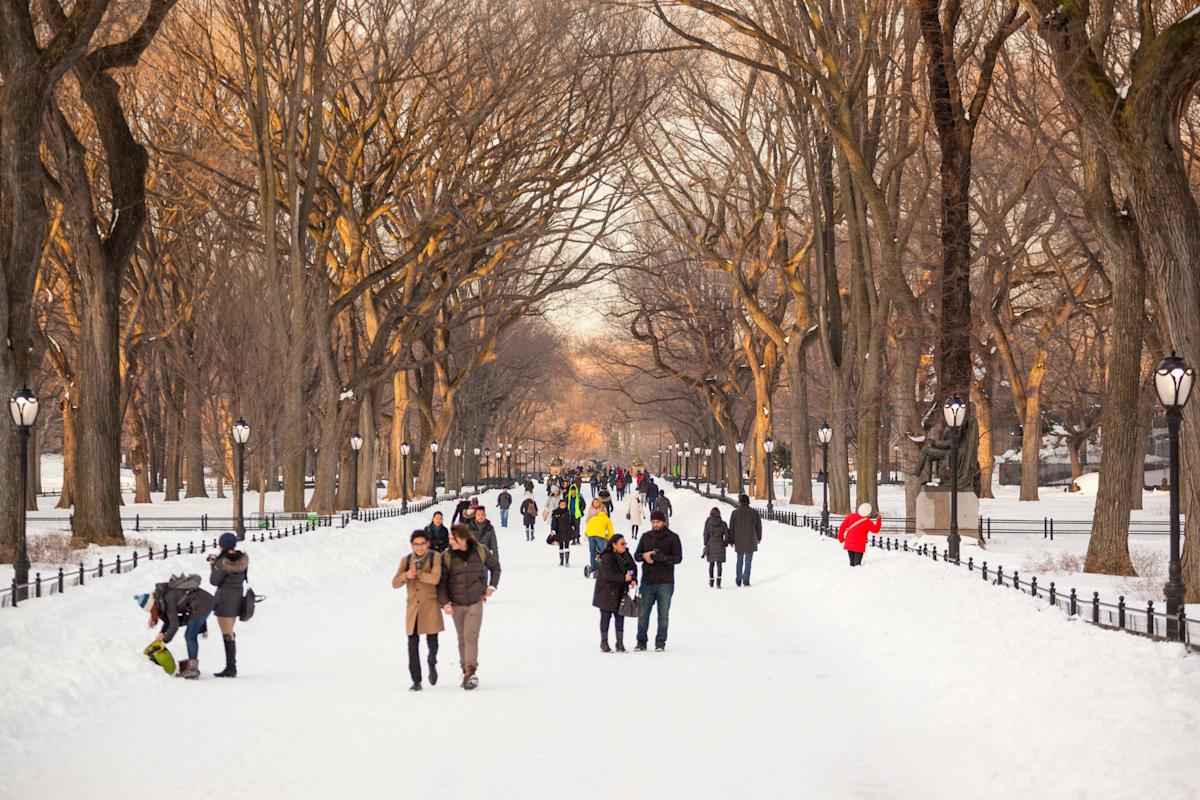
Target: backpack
<point x="483" y="554"/>
<point x="183" y="582"/>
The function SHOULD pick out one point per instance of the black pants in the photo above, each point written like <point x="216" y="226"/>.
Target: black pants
<point x="634" y="530"/>
<point x="564" y="554"/>
<point x="529" y="530"/>
<point x="414" y="653"/>
<point x="719" y="565"/>
<point x="855" y="558"/>
<point x="605" y="616"/>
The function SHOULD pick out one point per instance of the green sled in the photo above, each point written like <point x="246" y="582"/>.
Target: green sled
<point x="158" y="654"/>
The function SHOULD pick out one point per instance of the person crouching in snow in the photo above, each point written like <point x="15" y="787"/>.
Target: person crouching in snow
<point x="230" y="569"/>
<point x="854" y="531"/>
<point x="716" y="540"/>
<point x="616" y="577"/>
<point x="420" y="573"/>
<point x="180" y="603"/>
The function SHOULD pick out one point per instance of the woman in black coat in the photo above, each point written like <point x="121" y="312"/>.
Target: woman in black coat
<point x="230" y="569"/>
<point x="615" y="575"/>
<point x="562" y="531"/>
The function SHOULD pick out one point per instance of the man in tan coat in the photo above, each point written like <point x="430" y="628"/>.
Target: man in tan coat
<point x="420" y="572"/>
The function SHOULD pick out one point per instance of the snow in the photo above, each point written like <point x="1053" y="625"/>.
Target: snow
<point x="1193" y="13"/>
<point x="901" y="679"/>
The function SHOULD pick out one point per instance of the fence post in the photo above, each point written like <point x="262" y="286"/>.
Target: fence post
<point x="135" y="558"/>
<point x="37" y="581"/>
<point x="1074" y="603"/>
<point x="164" y="551"/>
<point x="60" y="580"/>
<point x="985" y="577"/>
<point x="100" y="569"/>
<point x="1052" y="529"/>
<point x="191" y="547"/>
<point x="1150" y="617"/>
<point x="14" y="591"/>
<point x="137" y="522"/>
<point x="1000" y="576"/>
<point x="1182" y="627"/>
<point x="118" y="563"/>
<point x="1045" y="528"/>
<point x="81" y="573"/>
<point x="1017" y="579"/>
<point x="1121" y="611"/>
<point x="1095" y="608"/>
<point x="1053" y="594"/>
<point x="1033" y="586"/>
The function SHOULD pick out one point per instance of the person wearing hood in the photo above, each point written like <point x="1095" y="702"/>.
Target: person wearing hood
<point x="745" y="531"/>
<point x="437" y="533"/>
<point x="420" y="573"/>
<point x="716" y="539"/>
<point x="562" y="531"/>
<point x="855" y="529"/>
<point x="182" y="605"/>
<point x="577" y="506"/>
<point x="230" y="571"/>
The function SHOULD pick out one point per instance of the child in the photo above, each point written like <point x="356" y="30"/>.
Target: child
<point x="716" y="539"/>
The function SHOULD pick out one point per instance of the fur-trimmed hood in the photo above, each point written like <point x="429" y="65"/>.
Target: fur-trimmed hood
<point x="233" y="561"/>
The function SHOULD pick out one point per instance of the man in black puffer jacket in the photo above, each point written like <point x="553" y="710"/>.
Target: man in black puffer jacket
<point x="470" y="575"/>
<point x="658" y="551"/>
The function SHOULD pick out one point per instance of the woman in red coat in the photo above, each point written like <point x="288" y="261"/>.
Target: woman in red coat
<point x="855" y="529"/>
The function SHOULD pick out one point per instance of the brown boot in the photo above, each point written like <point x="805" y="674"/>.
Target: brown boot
<point x="190" y="669"/>
<point x="469" y="679"/>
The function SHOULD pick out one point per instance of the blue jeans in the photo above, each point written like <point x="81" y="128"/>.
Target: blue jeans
<point x="595" y="548"/>
<point x="191" y="634"/>
<point x="504" y="518"/>
<point x="743" y="568"/>
<point x="659" y="593"/>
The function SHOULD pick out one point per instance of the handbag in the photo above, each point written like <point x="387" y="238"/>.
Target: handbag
<point x="248" y="603"/>
<point x="630" y="605"/>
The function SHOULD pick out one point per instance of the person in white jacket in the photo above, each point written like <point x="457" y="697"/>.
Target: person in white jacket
<point x="634" y="514"/>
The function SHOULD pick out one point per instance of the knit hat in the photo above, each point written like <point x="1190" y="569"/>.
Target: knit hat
<point x="142" y="600"/>
<point x="658" y="515"/>
<point x="228" y="540"/>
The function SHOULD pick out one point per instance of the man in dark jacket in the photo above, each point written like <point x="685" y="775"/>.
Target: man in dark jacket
<point x="470" y="575"/>
<point x="439" y="535"/>
<point x="463" y="511"/>
<point x="504" y="503"/>
<point x="483" y="531"/>
<point x="658" y="552"/>
<point x="745" y="529"/>
<point x="651" y="491"/>
<point x="663" y="503"/>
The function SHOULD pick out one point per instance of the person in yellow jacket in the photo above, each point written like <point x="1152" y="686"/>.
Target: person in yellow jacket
<point x="598" y="531"/>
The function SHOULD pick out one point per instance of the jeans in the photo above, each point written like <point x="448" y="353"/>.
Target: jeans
<point x="595" y="548"/>
<point x="504" y="518"/>
<point x="659" y="593"/>
<point x="191" y="634"/>
<point x="605" y="616"/>
<point x="414" y="653"/>
<point x="743" y="568"/>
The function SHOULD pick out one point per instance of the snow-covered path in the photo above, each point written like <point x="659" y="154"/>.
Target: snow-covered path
<point x="898" y="680"/>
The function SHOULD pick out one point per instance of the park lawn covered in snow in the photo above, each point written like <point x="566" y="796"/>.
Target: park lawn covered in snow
<point x="900" y="679"/>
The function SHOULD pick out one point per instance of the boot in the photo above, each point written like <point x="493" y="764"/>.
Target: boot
<point x="416" y="687"/>
<point x="604" y="648"/>
<point x="710" y="583"/>
<point x="469" y="680"/>
<point x="620" y="641"/>
<point x="190" y="669"/>
<point x="718" y="583"/>
<point x="432" y="672"/>
<point x="230" y="670"/>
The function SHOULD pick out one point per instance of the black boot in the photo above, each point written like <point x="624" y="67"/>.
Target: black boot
<point x="710" y="583"/>
<point x="620" y="641"/>
<point x="718" y="583"/>
<point x="604" y="648"/>
<point x="230" y="670"/>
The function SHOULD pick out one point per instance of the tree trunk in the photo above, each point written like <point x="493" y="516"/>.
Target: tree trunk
<point x="796" y="362"/>
<point x="839" y="451"/>
<point x="171" y="456"/>
<point x="193" y="442"/>
<point x="399" y="433"/>
<point x="138" y="456"/>
<point x="1031" y="439"/>
<point x="981" y="396"/>
<point x="67" y="498"/>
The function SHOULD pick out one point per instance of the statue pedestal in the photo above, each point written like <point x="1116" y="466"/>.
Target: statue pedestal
<point x="933" y="513"/>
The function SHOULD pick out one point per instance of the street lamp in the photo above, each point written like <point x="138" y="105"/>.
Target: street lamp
<point x="508" y="460"/>
<point x="240" y="434"/>
<point x="477" y="470"/>
<point x="724" y="483"/>
<point x="769" y="447"/>
<point x="23" y="406"/>
<point x="825" y="436"/>
<point x="1173" y="380"/>
<point x="356" y="443"/>
<point x="740" y="447"/>
<point x="696" y="466"/>
<point x="458" y="453"/>
<point x="520" y="459"/>
<point x="487" y="465"/>
<point x="707" y="470"/>
<point x="499" y="466"/>
<point x="404" y="451"/>
<point x="433" y="448"/>
<point x="955" y="411"/>
<point x="687" y="454"/>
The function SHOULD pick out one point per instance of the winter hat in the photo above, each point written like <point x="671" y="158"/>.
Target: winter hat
<point x="142" y="600"/>
<point x="228" y="541"/>
<point x="658" y="515"/>
<point x="864" y="510"/>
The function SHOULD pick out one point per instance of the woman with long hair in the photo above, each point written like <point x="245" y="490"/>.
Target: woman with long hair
<point x="615" y="576"/>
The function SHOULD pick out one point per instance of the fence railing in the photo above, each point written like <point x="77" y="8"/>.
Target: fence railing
<point x="1116" y="616"/>
<point x="57" y="582"/>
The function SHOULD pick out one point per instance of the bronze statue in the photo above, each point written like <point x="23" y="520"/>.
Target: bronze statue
<point x="935" y="451"/>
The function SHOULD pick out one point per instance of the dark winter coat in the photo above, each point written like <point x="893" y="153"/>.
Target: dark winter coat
<point x="745" y="525"/>
<point x="180" y="606"/>
<point x="663" y="504"/>
<point x="610" y="579"/>
<point x="670" y="553"/>
<point x="465" y="575"/>
<point x="439" y="537"/>
<point x="485" y="534"/>
<point x="230" y="570"/>
<point x="504" y="501"/>
<point x="459" y="510"/>
<point x="562" y="526"/>
<point x="529" y="511"/>
<point x="716" y="539"/>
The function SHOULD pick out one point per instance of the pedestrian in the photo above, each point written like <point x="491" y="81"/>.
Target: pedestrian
<point x="464" y="511"/>
<point x="180" y="603"/>
<point x="599" y="531"/>
<point x="716" y="539"/>
<point x="230" y="570"/>
<point x="529" y="512"/>
<point x="648" y="491"/>
<point x="663" y="503"/>
<point x="854" y="531"/>
<point x="483" y="531"/>
<point x="438" y="534"/>
<point x="562" y="532"/>
<point x="594" y="482"/>
<point x="658" y="552"/>
<point x="605" y="497"/>
<point x="745" y="528"/>
<point x="420" y="573"/>
<point x="504" y="503"/>
<point x="635" y="512"/>
<point x="617" y="576"/>
<point x="470" y="575"/>
<point x="575" y="503"/>
<point x="620" y="485"/>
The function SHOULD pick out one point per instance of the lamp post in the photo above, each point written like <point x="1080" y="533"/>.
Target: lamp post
<point x="404" y="451"/>
<point x="476" y="470"/>
<point x="824" y="436"/>
<point x="433" y="449"/>
<point x="955" y="411"/>
<point x="458" y="453"/>
<point x="740" y="447"/>
<point x="769" y="447"/>
<point x="240" y="435"/>
<point x="724" y="474"/>
<point x="520" y="459"/>
<point x="499" y="466"/>
<point x="23" y="406"/>
<point x="508" y="458"/>
<point x="687" y="454"/>
<point x="696" y="466"/>
<point x="1173" y="380"/>
<point x="356" y="443"/>
<point x="707" y="470"/>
